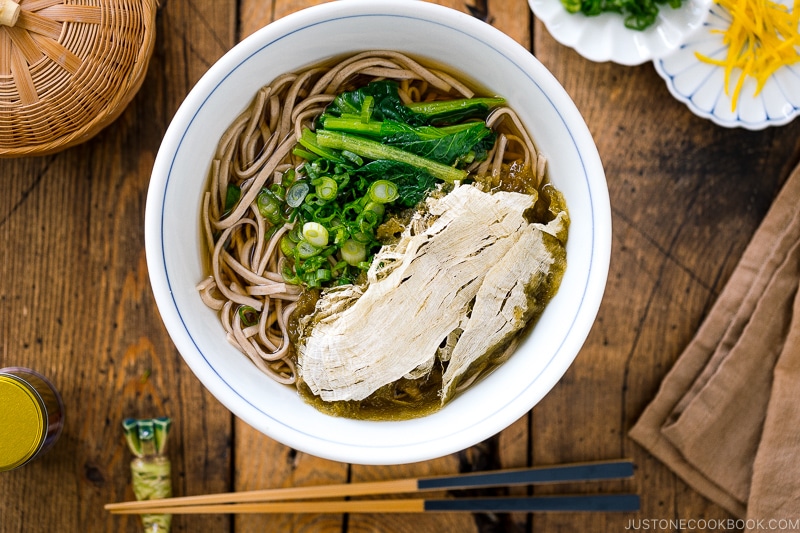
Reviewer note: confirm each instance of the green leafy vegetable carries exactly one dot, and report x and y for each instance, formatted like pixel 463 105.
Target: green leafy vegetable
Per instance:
pixel 638 14
pixel 370 155
pixel 375 150
pixel 232 195
pixel 412 183
pixel 454 111
pixel 383 101
pixel 450 145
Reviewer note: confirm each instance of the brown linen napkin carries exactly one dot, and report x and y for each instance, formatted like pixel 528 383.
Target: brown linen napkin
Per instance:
pixel 726 418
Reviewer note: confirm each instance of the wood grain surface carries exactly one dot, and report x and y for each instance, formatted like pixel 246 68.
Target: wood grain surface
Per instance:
pixel 686 197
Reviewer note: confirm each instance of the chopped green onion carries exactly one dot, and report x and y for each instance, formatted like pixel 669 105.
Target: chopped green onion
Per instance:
pixel 343 178
pixel 248 315
pixel 353 252
pixel 322 275
pixel 287 245
pixel 316 234
pixel 297 193
pixel 287 271
pixel 376 208
pixel 362 237
pixel 288 177
pixel 367 220
pixel 296 233
pixel 305 249
pixel 269 206
pixel 325 213
pixel 383 191
pixel 278 190
pixel 271 232
pixel 326 188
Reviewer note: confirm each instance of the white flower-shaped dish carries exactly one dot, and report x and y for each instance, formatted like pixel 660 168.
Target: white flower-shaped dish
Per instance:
pixel 605 38
pixel 701 86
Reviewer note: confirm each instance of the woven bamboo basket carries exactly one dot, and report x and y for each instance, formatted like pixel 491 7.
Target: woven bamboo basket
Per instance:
pixel 68 68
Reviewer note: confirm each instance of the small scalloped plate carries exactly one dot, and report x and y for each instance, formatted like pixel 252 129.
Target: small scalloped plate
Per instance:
pixel 701 86
pixel 605 38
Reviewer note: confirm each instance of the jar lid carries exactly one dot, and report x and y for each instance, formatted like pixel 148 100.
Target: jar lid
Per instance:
pixel 68 69
pixel 22 422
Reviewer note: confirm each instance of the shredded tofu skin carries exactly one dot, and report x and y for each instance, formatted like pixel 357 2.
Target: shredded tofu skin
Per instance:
pixel 762 37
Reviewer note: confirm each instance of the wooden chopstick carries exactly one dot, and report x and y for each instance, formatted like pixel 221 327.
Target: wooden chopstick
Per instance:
pixel 592 471
pixel 573 503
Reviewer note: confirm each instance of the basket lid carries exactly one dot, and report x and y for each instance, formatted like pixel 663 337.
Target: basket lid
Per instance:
pixel 68 68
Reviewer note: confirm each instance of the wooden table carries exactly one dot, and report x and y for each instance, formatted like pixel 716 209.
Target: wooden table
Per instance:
pixel 686 197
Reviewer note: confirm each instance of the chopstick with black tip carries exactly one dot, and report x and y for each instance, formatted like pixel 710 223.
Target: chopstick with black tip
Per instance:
pixel 577 472
pixel 574 503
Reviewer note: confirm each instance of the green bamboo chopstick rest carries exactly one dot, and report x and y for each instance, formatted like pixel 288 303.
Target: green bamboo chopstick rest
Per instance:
pixel 150 468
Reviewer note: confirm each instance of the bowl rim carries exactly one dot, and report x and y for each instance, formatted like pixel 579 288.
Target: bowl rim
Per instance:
pixel 388 454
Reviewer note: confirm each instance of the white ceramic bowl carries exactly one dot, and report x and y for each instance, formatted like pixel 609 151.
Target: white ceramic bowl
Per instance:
pixel 423 30
pixel 605 38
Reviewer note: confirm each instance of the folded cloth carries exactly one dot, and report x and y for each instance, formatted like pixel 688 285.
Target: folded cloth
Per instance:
pixel 726 418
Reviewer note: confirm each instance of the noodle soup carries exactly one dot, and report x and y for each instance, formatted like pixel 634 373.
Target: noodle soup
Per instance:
pixel 366 222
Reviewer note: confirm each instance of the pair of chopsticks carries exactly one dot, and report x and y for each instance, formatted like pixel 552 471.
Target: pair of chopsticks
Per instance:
pixel 273 500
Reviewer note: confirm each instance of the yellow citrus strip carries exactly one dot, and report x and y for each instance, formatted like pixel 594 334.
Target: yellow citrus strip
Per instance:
pixel 762 37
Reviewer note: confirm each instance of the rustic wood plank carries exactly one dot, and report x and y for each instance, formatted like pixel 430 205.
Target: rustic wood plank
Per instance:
pixel 427 523
pixel 512 18
pixel 264 463
pixel 79 307
pixel 684 205
pixel 514 451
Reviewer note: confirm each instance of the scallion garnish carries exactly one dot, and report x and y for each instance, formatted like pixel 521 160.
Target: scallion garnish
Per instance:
pixel 353 252
pixel 248 315
pixel 326 188
pixel 382 192
pixel 315 234
pixel 270 206
pixel 297 193
pixel 370 155
pixel 305 249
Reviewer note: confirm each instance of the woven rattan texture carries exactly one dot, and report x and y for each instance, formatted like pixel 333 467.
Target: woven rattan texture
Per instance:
pixel 68 68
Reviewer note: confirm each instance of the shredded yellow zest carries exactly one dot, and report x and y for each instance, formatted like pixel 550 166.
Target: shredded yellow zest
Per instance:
pixel 762 37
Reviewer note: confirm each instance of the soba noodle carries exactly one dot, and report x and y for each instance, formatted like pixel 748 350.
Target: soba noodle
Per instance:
pixel 245 283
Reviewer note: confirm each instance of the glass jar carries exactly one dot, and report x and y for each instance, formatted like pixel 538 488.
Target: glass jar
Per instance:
pixel 31 416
